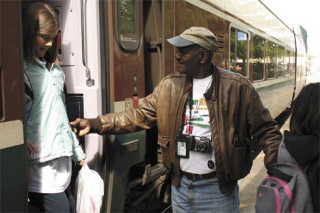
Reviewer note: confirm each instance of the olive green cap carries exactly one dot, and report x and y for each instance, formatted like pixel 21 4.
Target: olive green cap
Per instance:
pixel 196 35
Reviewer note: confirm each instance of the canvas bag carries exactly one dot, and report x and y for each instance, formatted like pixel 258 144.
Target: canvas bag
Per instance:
pixel 285 188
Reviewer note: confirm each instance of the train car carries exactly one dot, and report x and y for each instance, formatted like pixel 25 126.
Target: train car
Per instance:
pixel 13 159
pixel 113 54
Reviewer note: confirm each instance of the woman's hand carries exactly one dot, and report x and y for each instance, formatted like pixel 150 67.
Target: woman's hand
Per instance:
pixel 81 163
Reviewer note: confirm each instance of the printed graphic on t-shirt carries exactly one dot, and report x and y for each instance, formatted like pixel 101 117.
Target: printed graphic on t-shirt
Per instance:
pixel 196 121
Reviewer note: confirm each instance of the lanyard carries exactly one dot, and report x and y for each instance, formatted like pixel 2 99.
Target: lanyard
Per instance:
pixel 190 103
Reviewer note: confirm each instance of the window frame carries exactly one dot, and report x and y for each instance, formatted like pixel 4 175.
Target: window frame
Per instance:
pixel 237 29
pixel 129 41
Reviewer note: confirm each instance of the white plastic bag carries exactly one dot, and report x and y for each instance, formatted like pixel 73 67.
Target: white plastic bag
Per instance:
pixel 89 190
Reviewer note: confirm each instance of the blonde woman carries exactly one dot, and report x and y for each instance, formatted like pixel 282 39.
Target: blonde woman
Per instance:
pixel 52 144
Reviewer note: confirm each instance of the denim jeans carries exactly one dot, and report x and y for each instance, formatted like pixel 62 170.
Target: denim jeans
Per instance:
pixel 203 196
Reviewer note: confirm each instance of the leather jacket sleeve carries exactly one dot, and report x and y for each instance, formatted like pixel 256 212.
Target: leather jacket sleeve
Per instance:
pixel 264 130
pixel 135 119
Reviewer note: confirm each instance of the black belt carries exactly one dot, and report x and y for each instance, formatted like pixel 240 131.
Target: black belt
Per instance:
pixel 194 177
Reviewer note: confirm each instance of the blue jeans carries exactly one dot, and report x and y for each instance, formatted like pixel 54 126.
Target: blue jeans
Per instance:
pixel 203 196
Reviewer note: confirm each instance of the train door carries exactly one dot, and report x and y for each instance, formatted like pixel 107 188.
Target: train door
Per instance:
pixel 123 62
pixel 13 197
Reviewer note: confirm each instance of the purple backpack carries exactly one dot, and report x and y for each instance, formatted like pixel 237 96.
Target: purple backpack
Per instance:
pixel 285 188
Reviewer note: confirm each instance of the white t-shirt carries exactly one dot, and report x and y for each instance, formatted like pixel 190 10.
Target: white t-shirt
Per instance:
pixel 198 125
pixel 50 177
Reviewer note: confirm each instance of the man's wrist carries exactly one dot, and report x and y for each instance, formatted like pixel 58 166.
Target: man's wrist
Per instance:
pixel 95 126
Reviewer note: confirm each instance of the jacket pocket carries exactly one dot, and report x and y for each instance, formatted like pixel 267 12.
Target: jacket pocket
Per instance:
pixel 163 141
pixel 242 160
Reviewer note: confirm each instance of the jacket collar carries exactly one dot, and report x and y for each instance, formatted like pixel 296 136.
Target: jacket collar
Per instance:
pixel 213 89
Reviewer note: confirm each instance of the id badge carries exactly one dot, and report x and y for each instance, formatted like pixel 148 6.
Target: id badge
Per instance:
pixel 182 148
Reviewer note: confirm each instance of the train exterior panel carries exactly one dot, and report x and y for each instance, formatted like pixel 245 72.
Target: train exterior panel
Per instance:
pixel 114 53
pixel 13 170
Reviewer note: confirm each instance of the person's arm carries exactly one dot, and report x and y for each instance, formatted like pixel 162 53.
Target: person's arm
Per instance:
pixel 264 129
pixel 78 154
pixel 135 119
pixel 82 126
pixel 30 148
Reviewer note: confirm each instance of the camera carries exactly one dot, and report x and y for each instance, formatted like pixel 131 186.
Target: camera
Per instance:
pixel 200 144
pixel 184 143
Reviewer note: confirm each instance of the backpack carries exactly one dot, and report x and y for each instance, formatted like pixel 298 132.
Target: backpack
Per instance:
pixel 285 188
pixel 313 176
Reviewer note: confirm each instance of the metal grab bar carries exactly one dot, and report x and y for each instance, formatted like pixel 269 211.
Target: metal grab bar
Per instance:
pixel 89 81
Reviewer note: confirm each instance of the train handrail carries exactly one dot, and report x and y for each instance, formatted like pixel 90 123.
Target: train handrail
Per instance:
pixel 89 81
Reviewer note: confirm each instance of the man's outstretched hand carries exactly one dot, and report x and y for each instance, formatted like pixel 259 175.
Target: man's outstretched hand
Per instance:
pixel 81 127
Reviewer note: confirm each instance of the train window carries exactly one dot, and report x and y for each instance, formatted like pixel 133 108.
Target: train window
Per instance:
pixel 271 59
pixel 258 58
pixel 238 51
pixel 128 24
pixel 281 63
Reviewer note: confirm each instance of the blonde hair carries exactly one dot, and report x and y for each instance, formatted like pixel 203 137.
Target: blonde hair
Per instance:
pixel 39 17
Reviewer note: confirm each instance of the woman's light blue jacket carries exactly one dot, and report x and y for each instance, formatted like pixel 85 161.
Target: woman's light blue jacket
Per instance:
pixel 46 115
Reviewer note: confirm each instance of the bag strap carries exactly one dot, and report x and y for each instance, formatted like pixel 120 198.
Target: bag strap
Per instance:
pixel 284 155
pixel 279 174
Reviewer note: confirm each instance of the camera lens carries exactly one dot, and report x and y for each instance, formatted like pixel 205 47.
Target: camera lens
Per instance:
pixel 202 147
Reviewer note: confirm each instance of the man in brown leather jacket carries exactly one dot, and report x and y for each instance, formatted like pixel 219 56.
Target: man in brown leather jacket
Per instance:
pixel 209 143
